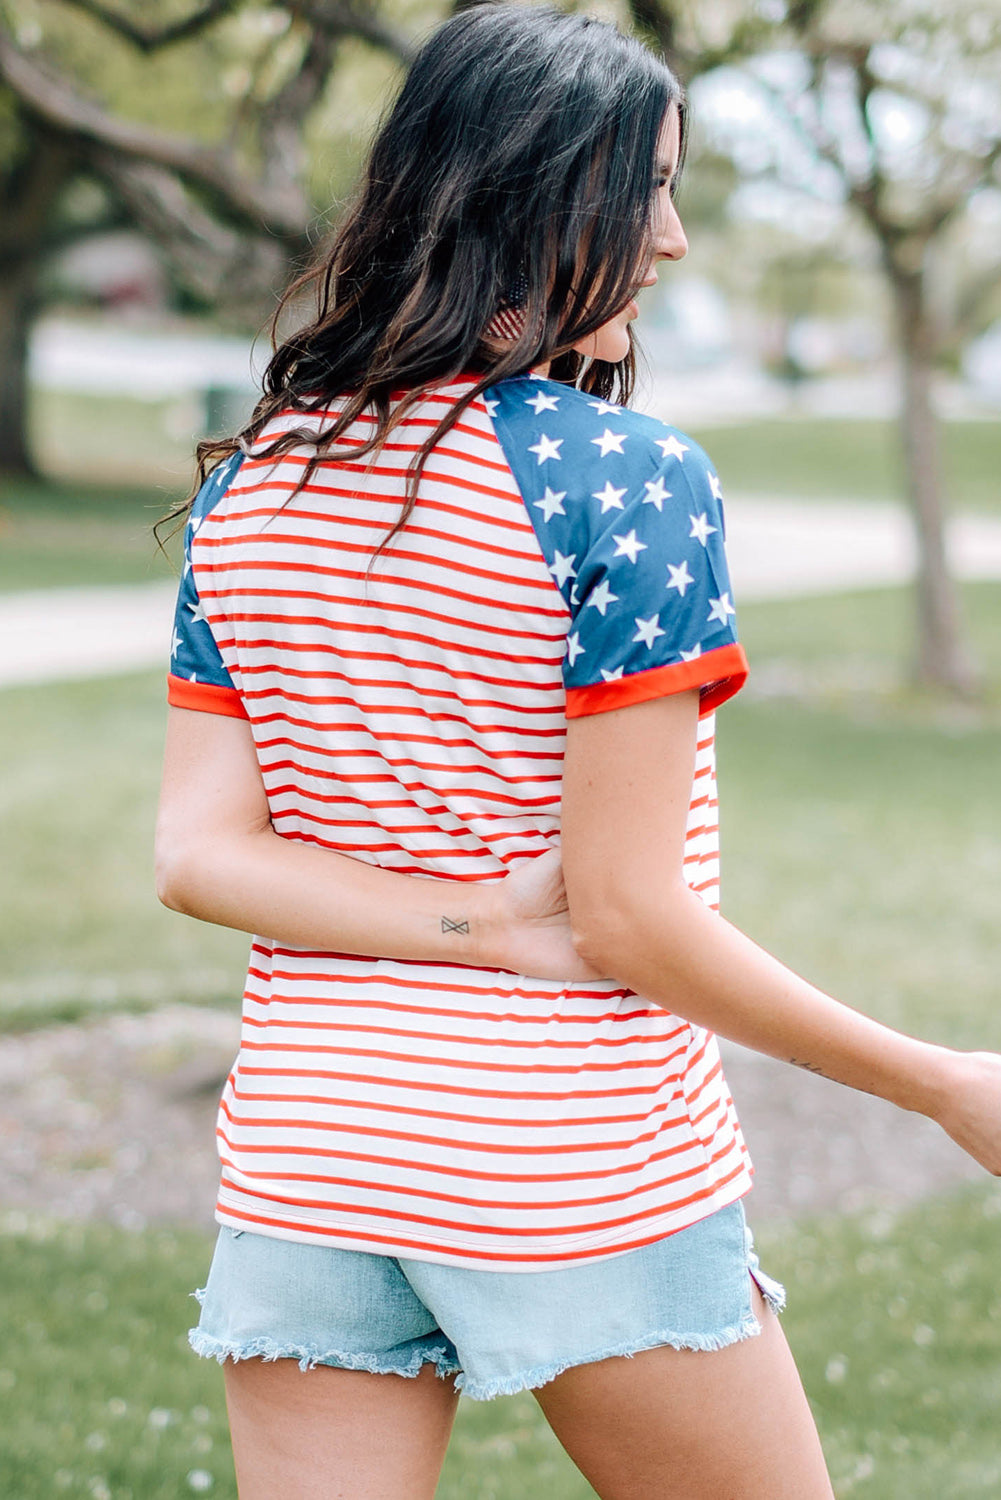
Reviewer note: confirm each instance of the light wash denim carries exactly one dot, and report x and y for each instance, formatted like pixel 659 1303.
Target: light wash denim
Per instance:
pixel 497 1331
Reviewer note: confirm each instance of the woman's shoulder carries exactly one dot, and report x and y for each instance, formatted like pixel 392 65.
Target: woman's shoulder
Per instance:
pixel 565 423
pixel 578 443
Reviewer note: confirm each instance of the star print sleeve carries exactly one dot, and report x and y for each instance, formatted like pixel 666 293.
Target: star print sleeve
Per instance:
pixel 198 677
pixel 651 603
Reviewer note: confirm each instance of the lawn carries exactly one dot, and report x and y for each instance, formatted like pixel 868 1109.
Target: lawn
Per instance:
pixel 843 459
pixel 55 533
pixel 895 1320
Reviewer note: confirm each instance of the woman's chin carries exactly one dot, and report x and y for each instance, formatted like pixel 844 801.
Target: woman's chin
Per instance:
pixel 609 344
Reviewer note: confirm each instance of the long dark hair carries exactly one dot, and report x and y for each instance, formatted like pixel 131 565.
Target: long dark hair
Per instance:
pixel 516 168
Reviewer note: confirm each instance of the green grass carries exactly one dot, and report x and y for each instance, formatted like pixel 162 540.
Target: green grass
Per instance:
pixel 895 1321
pixel 839 459
pixel 79 923
pixel 61 534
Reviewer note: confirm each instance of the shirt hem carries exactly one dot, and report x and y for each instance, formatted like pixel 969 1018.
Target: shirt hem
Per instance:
pixel 205 697
pixel 546 1258
pixel 719 674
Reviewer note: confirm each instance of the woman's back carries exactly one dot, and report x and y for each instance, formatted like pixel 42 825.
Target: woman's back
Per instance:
pixel 411 713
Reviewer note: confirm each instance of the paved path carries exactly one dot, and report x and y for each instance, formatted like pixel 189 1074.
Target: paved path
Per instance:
pixel 777 549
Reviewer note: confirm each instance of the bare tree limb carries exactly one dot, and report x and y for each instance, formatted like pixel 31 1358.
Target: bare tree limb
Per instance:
pixel 218 263
pixel 276 205
pixel 280 119
pixel 152 38
pixel 355 18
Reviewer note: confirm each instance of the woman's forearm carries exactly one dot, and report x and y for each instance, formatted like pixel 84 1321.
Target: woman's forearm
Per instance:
pixel 309 897
pixel 675 951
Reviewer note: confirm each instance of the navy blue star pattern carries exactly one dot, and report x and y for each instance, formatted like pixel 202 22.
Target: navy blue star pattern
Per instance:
pixel 629 517
pixel 194 654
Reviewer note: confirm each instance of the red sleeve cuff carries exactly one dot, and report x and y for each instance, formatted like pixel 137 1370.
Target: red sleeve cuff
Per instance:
pixel 205 697
pixel 719 674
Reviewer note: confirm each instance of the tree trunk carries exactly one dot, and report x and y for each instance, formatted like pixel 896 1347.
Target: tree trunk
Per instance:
pixel 27 200
pixel 17 312
pixel 943 660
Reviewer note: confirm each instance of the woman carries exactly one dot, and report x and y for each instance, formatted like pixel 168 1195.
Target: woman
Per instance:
pixel 448 605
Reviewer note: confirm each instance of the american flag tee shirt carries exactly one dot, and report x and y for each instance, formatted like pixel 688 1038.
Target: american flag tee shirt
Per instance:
pixel 565 557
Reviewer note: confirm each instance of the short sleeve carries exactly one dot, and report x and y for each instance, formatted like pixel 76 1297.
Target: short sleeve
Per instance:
pixel 198 677
pixel 650 599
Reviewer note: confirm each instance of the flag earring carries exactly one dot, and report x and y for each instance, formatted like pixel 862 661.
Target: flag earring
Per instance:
pixel 508 322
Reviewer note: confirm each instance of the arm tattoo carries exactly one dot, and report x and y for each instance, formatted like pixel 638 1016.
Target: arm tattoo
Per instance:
pixel 812 1068
pixel 447 925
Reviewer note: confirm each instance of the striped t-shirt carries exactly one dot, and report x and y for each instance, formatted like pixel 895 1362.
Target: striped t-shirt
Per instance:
pixel 565 557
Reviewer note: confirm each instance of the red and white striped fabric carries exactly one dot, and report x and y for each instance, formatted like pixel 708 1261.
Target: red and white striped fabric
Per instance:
pixel 412 714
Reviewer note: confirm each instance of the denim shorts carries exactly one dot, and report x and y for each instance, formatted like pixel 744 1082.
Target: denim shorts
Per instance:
pixel 497 1331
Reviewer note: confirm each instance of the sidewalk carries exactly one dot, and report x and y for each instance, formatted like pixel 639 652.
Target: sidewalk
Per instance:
pixel 778 549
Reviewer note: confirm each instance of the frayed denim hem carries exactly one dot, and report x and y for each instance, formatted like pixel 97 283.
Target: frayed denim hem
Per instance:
pixel 269 1349
pixel 773 1291
pixel 748 1328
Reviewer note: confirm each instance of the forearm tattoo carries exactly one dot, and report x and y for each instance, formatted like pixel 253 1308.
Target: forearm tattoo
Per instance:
pixel 462 927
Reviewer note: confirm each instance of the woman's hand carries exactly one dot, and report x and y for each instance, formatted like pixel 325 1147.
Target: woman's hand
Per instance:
pixel 970 1111
pixel 533 926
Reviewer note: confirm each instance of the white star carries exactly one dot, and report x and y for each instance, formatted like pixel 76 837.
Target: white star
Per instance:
pixel 176 643
pixel 670 447
pixel 680 577
pixel 628 546
pixel 574 647
pixel 611 498
pixel 547 447
pixel 540 402
pixel 611 676
pixel 194 522
pixel 610 442
pixel 197 613
pixel 563 568
pixel 187 566
pixel 715 486
pixel 491 403
pixel 721 607
pixel 691 655
pixel 701 529
pixel 551 503
pixel 603 407
pixel 574 596
pixel 647 631
pixel 601 597
pixel 656 494
pixel 193 677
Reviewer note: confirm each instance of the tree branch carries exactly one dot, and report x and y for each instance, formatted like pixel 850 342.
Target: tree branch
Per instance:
pixel 277 206
pixel 355 18
pixel 152 38
pixel 216 262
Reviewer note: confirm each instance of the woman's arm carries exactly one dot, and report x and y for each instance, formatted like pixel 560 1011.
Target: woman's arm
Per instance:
pixel 219 859
pixel 626 786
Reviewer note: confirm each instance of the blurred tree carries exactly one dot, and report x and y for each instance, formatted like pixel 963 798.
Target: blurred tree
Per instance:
pixel 205 148
pixel 895 107
pixel 903 103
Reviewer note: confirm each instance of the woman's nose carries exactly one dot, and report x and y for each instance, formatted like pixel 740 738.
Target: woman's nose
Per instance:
pixel 670 241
